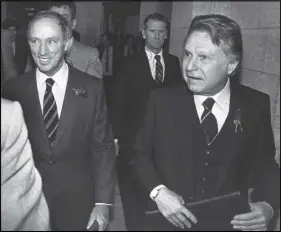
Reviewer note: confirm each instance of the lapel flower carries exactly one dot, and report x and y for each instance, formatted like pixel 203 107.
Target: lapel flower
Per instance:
pixel 237 121
pixel 81 92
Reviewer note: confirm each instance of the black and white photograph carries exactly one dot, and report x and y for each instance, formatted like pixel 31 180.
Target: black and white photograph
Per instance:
pixel 140 116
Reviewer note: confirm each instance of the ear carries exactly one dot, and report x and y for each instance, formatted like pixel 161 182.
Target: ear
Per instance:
pixel 232 65
pixel 68 44
pixel 143 33
pixel 74 23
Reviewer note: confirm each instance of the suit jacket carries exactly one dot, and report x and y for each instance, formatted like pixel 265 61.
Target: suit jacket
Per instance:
pixel 80 168
pixel 167 144
pixel 23 205
pixel 132 87
pixel 86 59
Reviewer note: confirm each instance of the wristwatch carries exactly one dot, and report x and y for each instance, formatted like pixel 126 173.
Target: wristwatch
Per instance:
pixel 155 191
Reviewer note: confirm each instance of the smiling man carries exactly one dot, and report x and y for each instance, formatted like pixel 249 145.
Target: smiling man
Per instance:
pixel 67 123
pixel 209 138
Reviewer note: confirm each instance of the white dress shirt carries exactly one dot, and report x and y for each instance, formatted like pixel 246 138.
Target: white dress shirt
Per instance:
pixel 152 61
pixel 221 106
pixel 59 87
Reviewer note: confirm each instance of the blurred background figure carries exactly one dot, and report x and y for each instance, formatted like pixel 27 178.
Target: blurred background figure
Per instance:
pixel 14 49
pixel 23 205
pixel 129 47
pixel 107 53
pixel 80 56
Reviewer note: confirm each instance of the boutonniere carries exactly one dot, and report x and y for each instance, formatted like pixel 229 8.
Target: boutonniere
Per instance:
pixel 237 121
pixel 81 92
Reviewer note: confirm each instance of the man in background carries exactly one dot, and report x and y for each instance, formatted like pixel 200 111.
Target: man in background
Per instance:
pixel 83 57
pixel 70 135
pixel 148 69
pixel 23 205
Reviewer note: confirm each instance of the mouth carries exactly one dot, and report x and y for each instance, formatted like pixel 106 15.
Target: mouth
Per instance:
pixel 193 77
pixel 44 60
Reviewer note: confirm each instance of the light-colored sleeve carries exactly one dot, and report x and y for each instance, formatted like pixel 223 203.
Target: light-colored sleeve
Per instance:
pixel 94 66
pixel 23 205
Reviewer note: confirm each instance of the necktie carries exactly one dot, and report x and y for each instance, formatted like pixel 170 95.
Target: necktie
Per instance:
pixel 208 120
pixel 158 70
pixel 50 113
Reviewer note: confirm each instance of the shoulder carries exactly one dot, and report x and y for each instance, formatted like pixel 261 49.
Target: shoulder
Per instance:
pixel 86 50
pixel 11 119
pixel 170 95
pixel 170 56
pixel 253 97
pixel 89 81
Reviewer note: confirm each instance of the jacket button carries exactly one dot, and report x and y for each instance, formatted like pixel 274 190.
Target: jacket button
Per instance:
pixel 208 152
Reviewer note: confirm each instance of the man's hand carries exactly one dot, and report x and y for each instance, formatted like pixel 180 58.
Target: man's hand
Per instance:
pixel 171 205
pixel 100 213
pixel 256 220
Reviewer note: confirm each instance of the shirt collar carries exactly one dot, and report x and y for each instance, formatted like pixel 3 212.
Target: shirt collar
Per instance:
pixel 222 98
pixel 60 77
pixel 149 52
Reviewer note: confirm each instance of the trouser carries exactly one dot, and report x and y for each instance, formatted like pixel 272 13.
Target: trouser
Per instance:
pixel 130 197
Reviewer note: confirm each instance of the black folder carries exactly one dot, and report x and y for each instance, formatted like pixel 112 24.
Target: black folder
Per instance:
pixel 216 213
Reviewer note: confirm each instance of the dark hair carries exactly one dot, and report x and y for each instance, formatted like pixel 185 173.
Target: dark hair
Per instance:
pixel 109 36
pixel 224 32
pixel 10 22
pixel 157 17
pixel 62 22
pixel 71 5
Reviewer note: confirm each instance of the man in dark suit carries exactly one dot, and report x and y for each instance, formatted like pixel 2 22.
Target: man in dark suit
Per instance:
pixel 208 138
pixel 148 69
pixel 71 139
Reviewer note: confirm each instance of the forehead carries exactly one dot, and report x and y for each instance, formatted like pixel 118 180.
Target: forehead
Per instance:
pixel 200 40
pixel 155 24
pixel 45 27
pixel 62 10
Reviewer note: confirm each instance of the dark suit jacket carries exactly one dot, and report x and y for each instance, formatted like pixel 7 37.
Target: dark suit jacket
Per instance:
pixel 132 87
pixel 79 170
pixel 167 143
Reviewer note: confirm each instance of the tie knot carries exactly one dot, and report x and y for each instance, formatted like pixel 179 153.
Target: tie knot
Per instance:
pixel 157 57
pixel 209 103
pixel 50 82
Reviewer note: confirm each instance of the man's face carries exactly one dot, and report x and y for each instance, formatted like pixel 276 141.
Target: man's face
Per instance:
pixel 47 45
pixel 205 66
pixel 65 11
pixel 155 35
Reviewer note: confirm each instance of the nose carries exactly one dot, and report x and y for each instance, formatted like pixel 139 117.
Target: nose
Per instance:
pixel 43 49
pixel 157 34
pixel 191 64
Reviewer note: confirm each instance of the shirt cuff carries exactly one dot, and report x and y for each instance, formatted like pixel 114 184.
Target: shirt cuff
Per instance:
pixel 155 190
pixel 103 204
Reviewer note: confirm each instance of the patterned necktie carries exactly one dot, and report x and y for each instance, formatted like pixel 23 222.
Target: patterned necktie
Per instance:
pixel 158 70
pixel 208 120
pixel 50 113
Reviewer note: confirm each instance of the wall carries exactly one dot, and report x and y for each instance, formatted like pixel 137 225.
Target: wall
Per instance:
pixel 89 21
pixel 260 25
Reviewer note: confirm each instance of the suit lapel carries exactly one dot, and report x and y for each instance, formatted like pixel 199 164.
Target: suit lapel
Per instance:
pixel 35 112
pixel 68 107
pixel 146 72
pixel 228 137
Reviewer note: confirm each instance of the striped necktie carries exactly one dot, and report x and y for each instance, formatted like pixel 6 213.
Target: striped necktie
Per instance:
pixel 158 70
pixel 50 112
pixel 208 120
